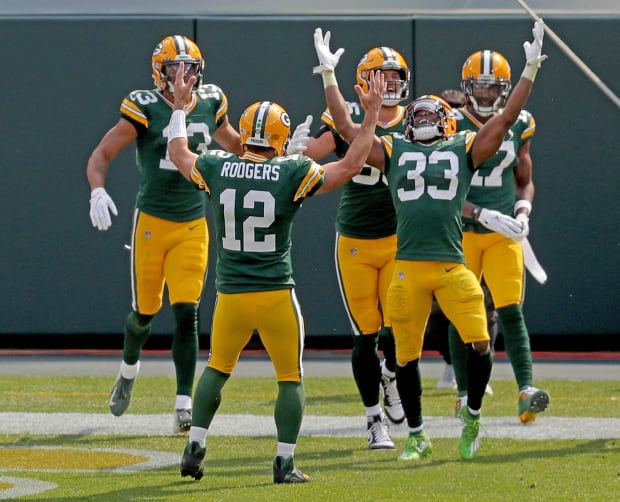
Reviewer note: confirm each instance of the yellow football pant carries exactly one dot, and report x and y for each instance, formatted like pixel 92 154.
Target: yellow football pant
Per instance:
pixel 277 318
pixel 410 298
pixel 500 260
pixel 364 268
pixel 170 253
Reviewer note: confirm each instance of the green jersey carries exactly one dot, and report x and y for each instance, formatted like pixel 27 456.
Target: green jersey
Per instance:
pixel 428 184
pixel 365 210
pixel 254 202
pixel 493 186
pixel 164 192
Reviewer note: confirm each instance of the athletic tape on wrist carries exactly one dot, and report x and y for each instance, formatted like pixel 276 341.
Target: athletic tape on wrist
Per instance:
pixel 329 78
pixel 177 127
pixel 530 71
pixel 523 203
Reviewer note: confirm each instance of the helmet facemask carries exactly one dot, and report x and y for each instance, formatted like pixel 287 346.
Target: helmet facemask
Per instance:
pixel 493 94
pixel 485 80
pixel 192 68
pixel 385 58
pixel 171 51
pixel 420 126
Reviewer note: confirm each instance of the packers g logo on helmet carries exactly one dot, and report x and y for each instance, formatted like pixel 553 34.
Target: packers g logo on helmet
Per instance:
pixel 172 50
pixel 487 71
pixel 442 127
pixel 385 58
pixel 265 124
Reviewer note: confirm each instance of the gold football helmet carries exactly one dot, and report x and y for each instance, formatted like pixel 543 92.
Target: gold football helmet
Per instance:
pixel 170 51
pixel 265 124
pixel 441 125
pixel 485 80
pixel 385 58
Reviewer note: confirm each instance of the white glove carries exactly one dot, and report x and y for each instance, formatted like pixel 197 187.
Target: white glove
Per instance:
pixel 100 206
pixel 500 223
pixel 301 135
pixel 533 51
pixel 525 224
pixel 327 60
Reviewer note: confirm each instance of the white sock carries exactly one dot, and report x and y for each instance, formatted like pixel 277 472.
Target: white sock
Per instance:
pixel 285 449
pixel 416 430
pixel 198 435
pixel 373 411
pixel 183 402
pixel 473 413
pixel 130 371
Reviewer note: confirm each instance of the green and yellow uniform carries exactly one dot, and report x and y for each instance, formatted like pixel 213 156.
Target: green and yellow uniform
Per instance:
pixel 170 237
pixel 429 184
pixel 254 202
pixel 365 233
pixel 496 257
pixel 487 253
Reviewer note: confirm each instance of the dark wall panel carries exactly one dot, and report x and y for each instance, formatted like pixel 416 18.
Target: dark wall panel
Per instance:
pixel 69 75
pixel 575 159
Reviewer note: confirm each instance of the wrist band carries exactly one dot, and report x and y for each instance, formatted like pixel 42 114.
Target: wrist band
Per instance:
pixel 530 71
pixel 523 203
pixel 329 78
pixel 176 128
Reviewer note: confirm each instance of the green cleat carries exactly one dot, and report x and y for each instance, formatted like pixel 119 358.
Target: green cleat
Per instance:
pixel 191 463
pixel 121 395
pixel 284 471
pixel 418 446
pixel 531 402
pixel 470 439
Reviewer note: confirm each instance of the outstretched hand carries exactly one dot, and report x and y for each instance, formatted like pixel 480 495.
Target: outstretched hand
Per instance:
pixel 301 136
pixel 182 90
pixel 328 60
pixel 377 87
pixel 533 50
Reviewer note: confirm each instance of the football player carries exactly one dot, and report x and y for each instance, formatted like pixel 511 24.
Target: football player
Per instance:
pixel 169 239
pixel 255 198
pixel 366 247
pixel 503 183
pixel 429 171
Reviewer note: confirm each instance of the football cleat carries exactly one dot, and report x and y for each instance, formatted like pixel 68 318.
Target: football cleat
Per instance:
pixel 284 471
pixel 379 433
pixel 121 395
pixel 418 446
pixel 182 421
pixel 191 463
pixel 531 402
pixel 470 436
pixel 391 399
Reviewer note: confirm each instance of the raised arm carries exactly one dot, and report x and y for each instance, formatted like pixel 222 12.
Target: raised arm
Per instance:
pixel 490 136
pixel 180 154
pixel 337 173
pixel 334 99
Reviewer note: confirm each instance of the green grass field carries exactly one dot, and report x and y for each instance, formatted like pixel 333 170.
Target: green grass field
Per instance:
pixel 239 467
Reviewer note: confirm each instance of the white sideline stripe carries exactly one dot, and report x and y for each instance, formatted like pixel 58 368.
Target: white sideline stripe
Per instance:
pixel 85 424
